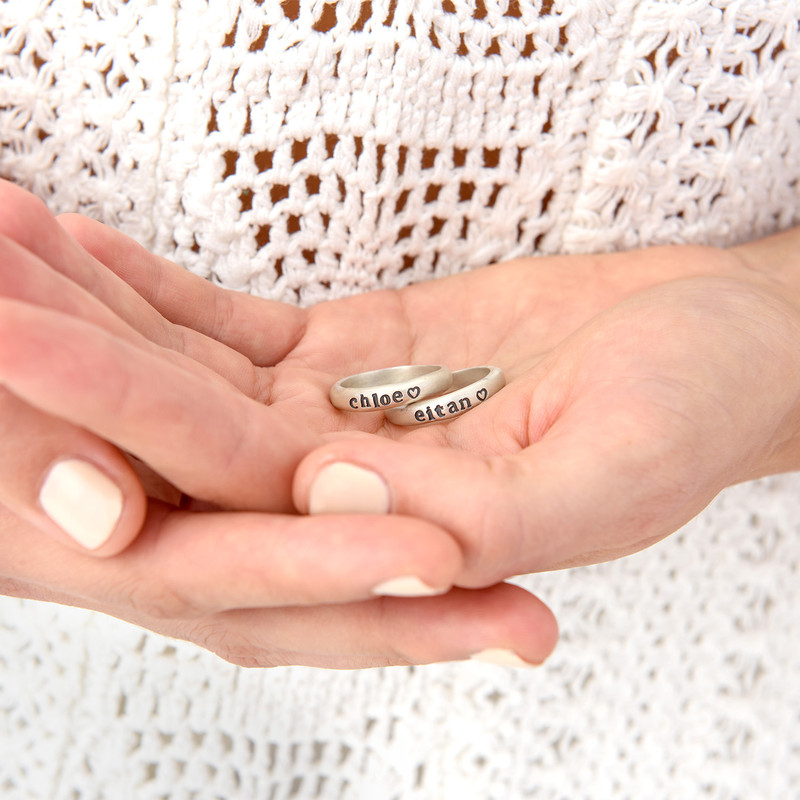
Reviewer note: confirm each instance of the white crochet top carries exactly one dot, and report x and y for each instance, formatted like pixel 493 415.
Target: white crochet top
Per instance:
pixel 304 150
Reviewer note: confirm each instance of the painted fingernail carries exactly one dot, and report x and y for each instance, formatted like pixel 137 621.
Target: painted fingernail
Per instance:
pixel 343 488
pixel 500 656
pixel 406 586
pixel 82 501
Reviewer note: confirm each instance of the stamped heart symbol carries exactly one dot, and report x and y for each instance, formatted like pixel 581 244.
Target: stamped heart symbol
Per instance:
pixel 481 394
pixel 413 392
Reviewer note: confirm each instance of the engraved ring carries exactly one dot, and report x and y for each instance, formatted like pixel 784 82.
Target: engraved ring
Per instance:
pixel 469 389
pixel 389 388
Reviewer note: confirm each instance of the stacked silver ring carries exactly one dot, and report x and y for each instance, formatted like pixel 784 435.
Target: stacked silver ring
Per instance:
pixel 389 388
pixel 416 395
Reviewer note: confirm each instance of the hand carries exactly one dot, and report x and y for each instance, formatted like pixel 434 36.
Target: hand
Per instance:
pixel 672 386
pixel 628 375
pixel 86 361
pixel 612 430
pixel 93 373
pixel 420 629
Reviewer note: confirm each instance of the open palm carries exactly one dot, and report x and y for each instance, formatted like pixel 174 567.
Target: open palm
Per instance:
pixel 629 402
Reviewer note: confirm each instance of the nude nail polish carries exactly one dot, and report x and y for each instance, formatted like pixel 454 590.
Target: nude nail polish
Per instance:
pixel 406 586
pixel 343 488
pixel 83 501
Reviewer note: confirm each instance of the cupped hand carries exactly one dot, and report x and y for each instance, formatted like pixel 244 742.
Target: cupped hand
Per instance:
pixel 639 386
pixel 152 429
pixel 546 473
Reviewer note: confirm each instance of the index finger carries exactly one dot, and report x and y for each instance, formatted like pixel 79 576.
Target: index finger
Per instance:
pixel 263 330
pixel 208 439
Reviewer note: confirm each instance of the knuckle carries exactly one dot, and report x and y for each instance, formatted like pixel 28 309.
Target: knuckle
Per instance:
pixel 389 650
pixel 220 635
pixel 157 601
pixel 223 315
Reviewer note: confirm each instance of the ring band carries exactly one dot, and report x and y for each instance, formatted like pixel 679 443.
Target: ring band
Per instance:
pixel 470 388
pixel 388 388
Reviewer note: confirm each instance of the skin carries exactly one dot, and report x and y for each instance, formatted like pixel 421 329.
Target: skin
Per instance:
pixel 639 386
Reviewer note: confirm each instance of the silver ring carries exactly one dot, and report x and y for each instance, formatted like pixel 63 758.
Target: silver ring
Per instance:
pixel 389 388
pixel 469 389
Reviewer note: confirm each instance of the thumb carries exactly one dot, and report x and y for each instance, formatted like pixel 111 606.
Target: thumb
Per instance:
pixel 584 493
pixel 474 499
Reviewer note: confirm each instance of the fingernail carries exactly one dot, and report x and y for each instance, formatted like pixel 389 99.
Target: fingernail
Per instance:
pixel 347 489
pixel 406 586
pixel 82 501
pixel 500 656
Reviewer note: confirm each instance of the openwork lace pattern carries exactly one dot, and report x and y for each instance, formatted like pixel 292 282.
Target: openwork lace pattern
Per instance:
pixel 305 150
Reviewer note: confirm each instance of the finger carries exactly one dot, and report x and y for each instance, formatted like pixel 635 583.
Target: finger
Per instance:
pixel 262 330
pixel 209 440
pixel 28 222
pixel 165 580
pixel 186 565
pixel 193 564
pixel 45 252
pixel 468 496
pixel 502 624
pixel 67 482
pixel 24 276
pixel 456 475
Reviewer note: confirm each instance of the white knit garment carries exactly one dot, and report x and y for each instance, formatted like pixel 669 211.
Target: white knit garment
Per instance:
pixel 303 151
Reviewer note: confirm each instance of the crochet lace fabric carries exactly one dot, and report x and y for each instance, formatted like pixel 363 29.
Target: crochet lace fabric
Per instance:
pixel 306 150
